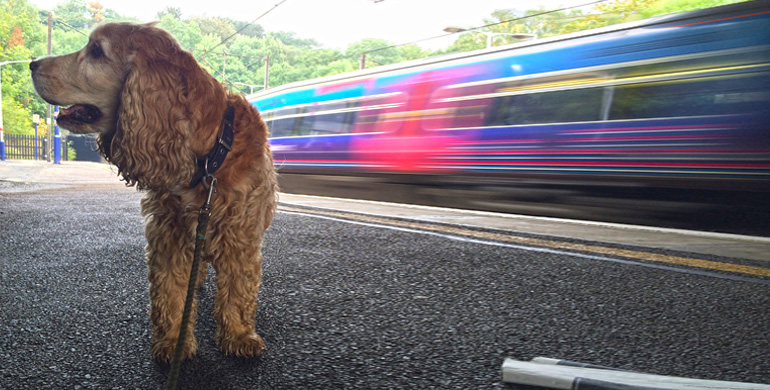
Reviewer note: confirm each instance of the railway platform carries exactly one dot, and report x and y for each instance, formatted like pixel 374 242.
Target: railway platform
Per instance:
pixel 707 244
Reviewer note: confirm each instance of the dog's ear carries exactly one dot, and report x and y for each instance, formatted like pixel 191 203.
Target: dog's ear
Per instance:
pixel 166 98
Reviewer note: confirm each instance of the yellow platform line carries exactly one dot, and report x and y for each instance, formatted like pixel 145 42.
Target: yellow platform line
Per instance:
pixel 539 242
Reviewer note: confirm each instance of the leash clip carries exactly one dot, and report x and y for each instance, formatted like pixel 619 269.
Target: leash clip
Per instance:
pixel 211 185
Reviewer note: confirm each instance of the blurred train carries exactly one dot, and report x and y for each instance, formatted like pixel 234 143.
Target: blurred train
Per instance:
pixel 663 121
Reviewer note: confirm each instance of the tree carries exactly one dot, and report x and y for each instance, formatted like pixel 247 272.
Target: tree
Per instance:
pixel 539 22
pixel 187 34
pixel 75 13
pixel 337 67
pixel 621 11
pixel 218 27
pixel 246 59
pixel 378 52
pixel 323 62
pixel 66 41
pixel 673 6
pixel 248 29
pixel 21 37
pixel 175 13
pixel 543 23
pixel 97 11
pixel 412 52
pixel 467 42
pixel 290 39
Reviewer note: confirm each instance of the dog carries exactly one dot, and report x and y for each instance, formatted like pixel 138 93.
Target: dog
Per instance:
pixel 157 113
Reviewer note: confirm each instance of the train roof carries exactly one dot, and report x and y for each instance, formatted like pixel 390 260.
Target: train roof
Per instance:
pixel 617 30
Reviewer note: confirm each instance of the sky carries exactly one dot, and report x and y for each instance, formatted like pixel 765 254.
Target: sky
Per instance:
pixel 338 23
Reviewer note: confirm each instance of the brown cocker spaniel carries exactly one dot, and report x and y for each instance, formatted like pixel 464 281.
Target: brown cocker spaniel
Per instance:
pixel 156 111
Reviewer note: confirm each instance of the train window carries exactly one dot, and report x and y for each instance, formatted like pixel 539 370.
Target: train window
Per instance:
pixel 525 101
pixel 721 95
pixel 304 122
pixel 563 106
pixel 284 122
pixel 336 118
pixel 267 117
pixel 326 118
pixel 456 107
pixel 469 115
pixel 381 113
pixel 722 83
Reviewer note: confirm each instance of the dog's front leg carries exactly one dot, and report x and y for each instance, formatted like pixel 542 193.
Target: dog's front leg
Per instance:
pixel 169 257
pixel 238 277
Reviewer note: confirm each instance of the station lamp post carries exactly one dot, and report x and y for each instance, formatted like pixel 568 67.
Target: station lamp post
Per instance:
pixel 36 121
pixel 2 140
pixel 489 35
pixel 56 137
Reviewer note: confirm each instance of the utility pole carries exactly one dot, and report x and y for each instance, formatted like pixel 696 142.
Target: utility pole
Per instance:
pixel 224 60
pixel 267 70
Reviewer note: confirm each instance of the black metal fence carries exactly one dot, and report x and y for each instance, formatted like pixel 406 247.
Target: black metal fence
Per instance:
pixel 26 147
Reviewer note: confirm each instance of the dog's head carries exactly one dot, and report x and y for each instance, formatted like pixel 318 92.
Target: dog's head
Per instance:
pixel 87 84
pixel 145 97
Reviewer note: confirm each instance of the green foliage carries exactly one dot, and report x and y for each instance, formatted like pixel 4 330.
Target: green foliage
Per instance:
pixel 20 39
pixel 542 23
pixel 468 42
pixel 674 6
pixel 66 41
pixel 175 13
pixel 290 39
pixel 16 118
pixel 188 35
pixel 248 30
pixel 75 13
pixel 71 152
pixel 218 27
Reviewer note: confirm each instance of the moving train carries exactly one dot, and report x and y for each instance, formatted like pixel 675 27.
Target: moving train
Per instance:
pixel 660 121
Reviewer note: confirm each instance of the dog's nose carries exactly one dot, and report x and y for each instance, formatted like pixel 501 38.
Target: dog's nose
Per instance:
pixel 34 65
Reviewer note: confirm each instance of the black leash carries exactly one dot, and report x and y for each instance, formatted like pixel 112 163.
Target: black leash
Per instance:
pixel 207 165
pixel 200 237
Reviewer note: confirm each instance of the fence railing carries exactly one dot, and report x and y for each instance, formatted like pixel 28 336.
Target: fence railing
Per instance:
pixel 26 147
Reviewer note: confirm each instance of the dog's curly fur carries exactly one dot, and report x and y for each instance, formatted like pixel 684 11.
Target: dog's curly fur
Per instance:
pixel 155 109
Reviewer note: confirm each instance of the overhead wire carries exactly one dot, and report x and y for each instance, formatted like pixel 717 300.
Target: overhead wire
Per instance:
pixel 247 25
pixel 484 26
pixel 58 20
pixel 224 79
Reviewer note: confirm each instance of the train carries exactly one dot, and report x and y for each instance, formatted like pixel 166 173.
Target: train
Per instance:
pixel 663 121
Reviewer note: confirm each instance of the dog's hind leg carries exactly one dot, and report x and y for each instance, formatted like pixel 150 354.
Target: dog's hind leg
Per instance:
pixel 169 256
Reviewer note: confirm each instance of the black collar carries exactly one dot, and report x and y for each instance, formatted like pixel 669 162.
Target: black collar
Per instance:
pixel 209 163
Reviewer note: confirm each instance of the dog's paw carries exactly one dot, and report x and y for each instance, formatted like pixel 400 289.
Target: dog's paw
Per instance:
pixel 163 350
pixel 246 345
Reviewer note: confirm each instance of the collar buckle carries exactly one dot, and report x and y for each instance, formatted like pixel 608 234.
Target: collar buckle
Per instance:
pixel 212 161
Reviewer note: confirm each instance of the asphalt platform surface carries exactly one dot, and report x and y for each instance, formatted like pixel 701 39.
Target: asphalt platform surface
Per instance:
pixel 348 305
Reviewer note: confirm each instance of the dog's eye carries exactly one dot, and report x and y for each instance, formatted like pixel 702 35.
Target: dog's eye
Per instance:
pixel 95 51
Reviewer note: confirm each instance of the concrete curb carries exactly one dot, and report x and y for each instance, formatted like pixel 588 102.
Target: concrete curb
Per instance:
pixel 563 374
